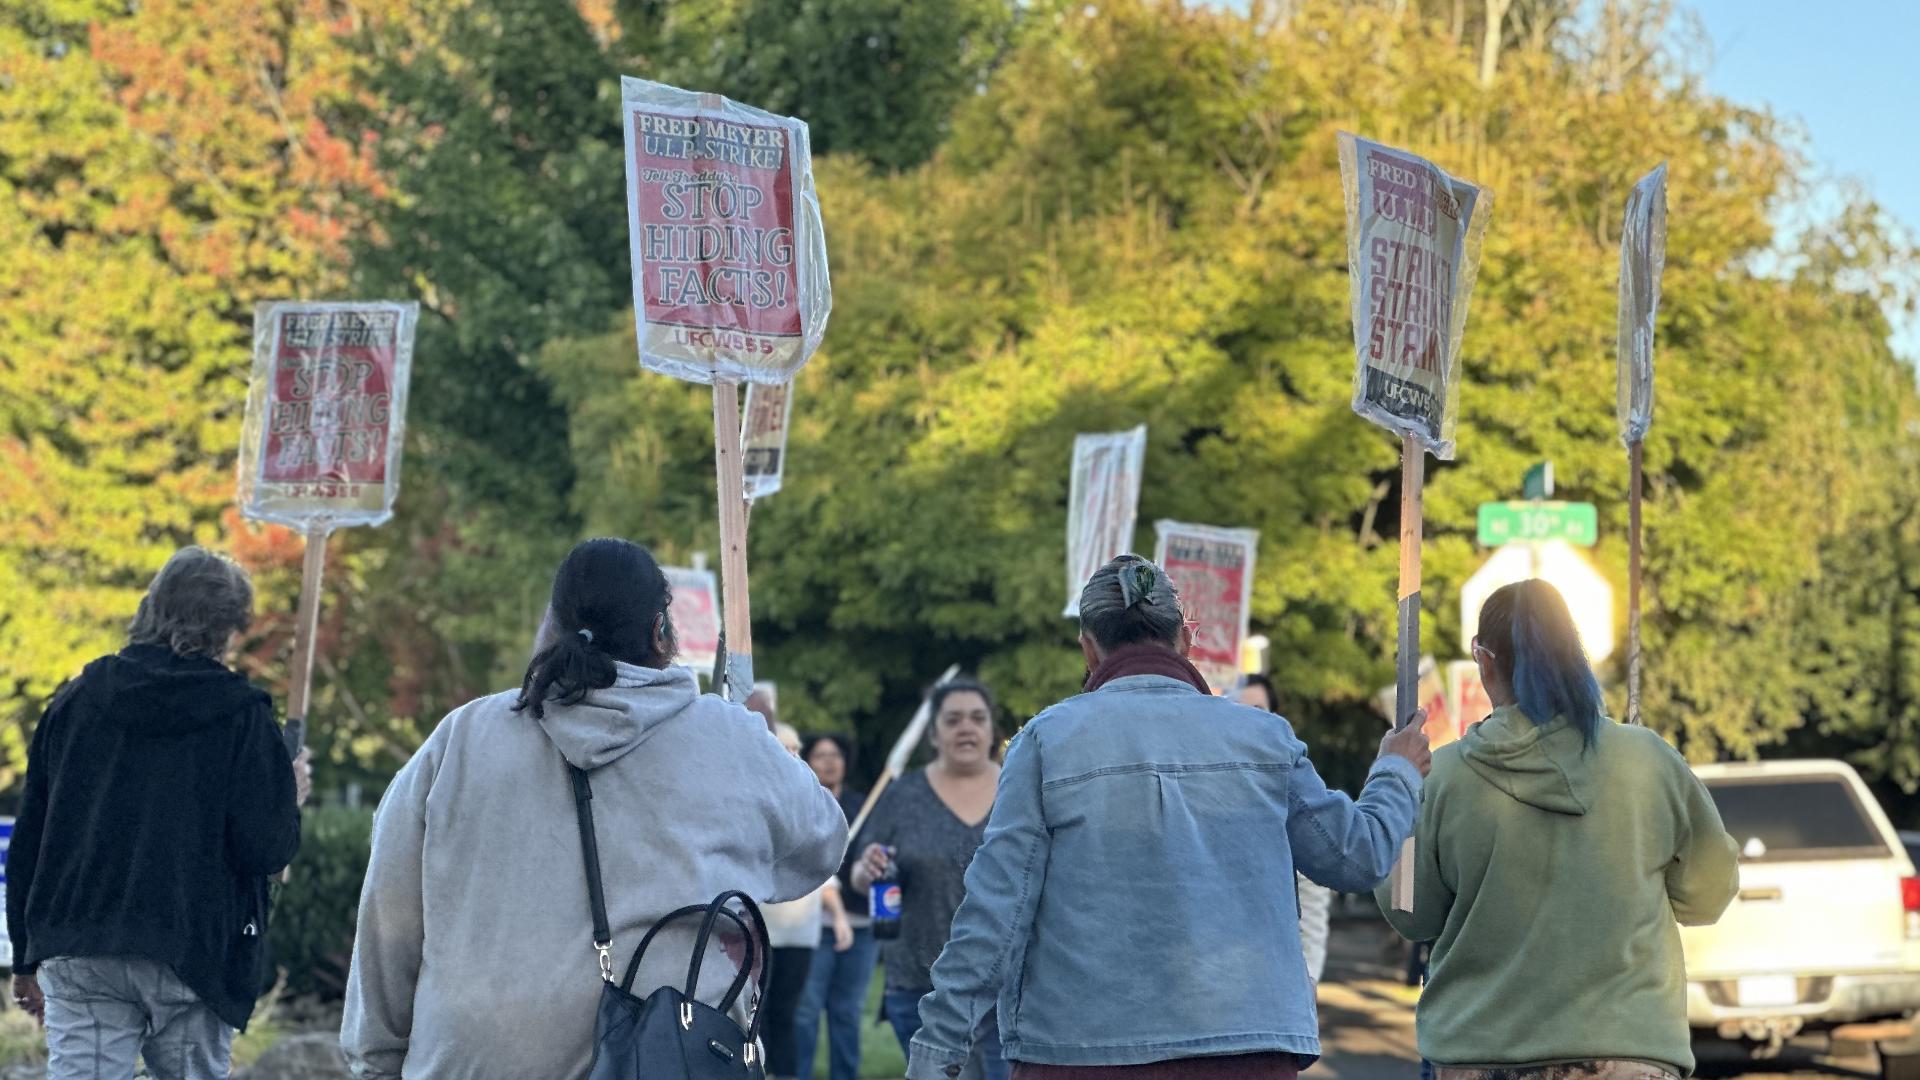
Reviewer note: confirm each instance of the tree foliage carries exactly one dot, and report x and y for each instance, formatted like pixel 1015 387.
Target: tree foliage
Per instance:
pixel 1043 219
pixel 162 166
pixel 1140 221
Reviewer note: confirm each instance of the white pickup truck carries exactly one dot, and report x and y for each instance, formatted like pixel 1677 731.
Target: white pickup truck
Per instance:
pixel 1824 938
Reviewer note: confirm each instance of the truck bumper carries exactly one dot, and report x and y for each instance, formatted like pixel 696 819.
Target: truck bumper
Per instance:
pixel 1877 1004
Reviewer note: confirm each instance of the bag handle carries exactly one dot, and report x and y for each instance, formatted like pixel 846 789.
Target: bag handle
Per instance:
pixel 633 967
pixel 754 945
pixel 590 851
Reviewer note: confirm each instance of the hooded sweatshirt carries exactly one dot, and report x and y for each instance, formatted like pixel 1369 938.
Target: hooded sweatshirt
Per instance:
pixel 159 799
pixel 474 956
pixel 1551 877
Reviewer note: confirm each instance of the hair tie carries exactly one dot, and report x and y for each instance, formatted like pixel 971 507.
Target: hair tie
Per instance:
pixel 1136 584
pixel 588 634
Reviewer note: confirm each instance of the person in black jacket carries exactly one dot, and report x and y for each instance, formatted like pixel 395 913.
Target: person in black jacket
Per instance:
pixel 159 800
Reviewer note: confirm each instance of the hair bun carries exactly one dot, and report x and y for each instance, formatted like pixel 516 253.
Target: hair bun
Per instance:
pixel 1136 584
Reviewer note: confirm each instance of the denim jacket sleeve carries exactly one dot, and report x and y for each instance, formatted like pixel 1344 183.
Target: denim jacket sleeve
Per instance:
pixel 990 929
pixel 1349 844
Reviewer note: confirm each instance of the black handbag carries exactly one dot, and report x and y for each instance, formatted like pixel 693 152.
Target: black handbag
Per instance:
pixel 670 1035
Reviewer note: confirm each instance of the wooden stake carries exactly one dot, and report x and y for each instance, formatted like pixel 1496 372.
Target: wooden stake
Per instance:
pixel 306 626
pixel 736 614
pixel 1634 468
pixel 1413 461
pixel 866 808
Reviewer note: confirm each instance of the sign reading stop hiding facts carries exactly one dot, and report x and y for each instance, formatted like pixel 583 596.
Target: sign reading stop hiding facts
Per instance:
pixel 730 264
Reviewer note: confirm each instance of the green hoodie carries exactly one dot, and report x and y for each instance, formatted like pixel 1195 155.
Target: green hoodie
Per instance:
pixel 1549 876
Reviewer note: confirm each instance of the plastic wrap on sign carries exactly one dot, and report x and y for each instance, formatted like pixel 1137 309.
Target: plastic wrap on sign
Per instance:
pixel 1413 251
pixel 1103 502
pixel 326 413
pixel 1212 570
pixel 1643 257
pixel 763 439
pixel 729 260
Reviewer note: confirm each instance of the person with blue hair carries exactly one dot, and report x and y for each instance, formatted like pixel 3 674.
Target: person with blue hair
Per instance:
pixel 1556 855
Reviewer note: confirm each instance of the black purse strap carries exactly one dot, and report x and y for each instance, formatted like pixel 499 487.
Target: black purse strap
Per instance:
pixel 755 935
pixel 755 943
pixel 590 851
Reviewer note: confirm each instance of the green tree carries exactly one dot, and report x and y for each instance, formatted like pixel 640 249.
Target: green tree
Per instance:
pixel 877 79
pixel 162 166
pixel 1141 220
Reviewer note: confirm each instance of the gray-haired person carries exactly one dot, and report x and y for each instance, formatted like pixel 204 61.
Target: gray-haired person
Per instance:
pixel 1131 911
pixel 159 800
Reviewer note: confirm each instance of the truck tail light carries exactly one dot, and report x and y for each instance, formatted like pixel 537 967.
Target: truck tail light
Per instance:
pixel 1910 901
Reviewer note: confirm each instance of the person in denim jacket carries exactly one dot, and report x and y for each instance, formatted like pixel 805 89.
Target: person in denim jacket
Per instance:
pixel 1131 910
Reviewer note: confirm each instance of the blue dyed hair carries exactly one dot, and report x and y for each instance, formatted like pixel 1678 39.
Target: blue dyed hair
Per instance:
pixel 1543 657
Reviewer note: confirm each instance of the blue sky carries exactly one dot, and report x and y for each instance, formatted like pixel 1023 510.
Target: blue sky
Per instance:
pixel 1845 69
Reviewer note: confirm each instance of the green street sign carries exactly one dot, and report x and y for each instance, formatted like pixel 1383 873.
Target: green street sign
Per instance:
pixel 1538 522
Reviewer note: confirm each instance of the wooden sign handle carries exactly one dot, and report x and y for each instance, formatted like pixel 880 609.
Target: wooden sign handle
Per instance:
pixel 306 626
pixel 306 629
pixel 1413 471
pixel 736 614
pixel 1634 468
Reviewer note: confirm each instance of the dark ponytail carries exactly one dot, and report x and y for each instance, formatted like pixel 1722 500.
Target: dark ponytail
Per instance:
pixel 608 596
pixel 1543 658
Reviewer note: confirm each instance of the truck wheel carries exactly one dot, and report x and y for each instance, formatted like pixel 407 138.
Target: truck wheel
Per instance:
pixel 1899 1066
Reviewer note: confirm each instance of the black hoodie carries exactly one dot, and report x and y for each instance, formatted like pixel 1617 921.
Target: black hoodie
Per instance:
pixel 159 800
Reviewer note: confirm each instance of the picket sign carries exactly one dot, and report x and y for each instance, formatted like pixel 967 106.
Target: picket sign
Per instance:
pixel 1643 256
pixel 1413 251
pixel 730 281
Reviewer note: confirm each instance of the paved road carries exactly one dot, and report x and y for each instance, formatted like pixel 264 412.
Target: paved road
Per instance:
pixel 1366 1023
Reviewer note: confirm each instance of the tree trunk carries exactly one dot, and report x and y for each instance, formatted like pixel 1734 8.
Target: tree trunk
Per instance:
pixel 1490 43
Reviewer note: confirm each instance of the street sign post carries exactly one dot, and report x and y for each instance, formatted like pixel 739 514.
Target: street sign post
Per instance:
pixel 1539 523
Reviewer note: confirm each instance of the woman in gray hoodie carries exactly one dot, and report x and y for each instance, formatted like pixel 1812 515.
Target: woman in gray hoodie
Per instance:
pixel 474 956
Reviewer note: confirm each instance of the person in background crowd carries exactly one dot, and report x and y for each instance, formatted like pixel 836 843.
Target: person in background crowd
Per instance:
pixel 1131 910
pixel 793 929
pixel 925 830
pixel 1548 814
pixel 837 985
pixel 472 958
pixel 760 703
pixel 1316 901
pixel 159 799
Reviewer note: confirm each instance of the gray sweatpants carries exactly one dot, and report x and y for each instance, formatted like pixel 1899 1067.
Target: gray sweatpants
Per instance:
pixel 103 1011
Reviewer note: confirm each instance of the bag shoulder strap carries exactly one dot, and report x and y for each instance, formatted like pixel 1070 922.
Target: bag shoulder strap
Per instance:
pixel 590 852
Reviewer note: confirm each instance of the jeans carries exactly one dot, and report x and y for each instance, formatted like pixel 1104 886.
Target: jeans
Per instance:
pixel 104 1011
pixel 987 1062
pixel 836 986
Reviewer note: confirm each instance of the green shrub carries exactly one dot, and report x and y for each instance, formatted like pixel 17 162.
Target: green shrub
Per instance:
pixel 314 913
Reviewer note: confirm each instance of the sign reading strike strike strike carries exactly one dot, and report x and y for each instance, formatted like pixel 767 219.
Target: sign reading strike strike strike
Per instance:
pixel 326 413
pixel 1413 251
pixel 1212 570
pixel 729 261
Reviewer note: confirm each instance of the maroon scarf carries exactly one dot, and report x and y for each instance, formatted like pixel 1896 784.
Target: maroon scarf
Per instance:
pixel 1145 659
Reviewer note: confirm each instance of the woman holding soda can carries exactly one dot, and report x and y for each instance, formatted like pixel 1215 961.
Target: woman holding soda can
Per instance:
pixel 917 846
